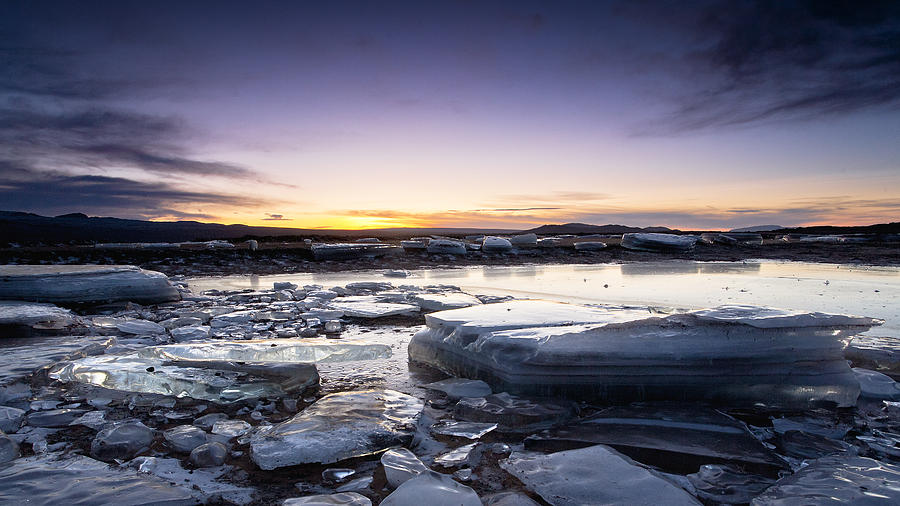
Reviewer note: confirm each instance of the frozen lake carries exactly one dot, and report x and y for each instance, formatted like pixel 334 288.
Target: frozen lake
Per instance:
pixel 861 290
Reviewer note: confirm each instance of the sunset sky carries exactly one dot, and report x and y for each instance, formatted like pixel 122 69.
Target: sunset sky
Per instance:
pixel 715 114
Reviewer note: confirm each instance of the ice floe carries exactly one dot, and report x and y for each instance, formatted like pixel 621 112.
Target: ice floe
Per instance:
pixel 336 427
pixel 658 242
pixel 85 284
pixel 686 437
pixel 595 475
pixel 20 317
pixel 81 480
pixel 837 480
pixel 734 354
pixel 443 301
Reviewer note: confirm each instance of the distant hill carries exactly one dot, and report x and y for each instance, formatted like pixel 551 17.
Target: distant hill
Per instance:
pixel 584 228
pixel 758 228
pixel 881 228
pixel 31 228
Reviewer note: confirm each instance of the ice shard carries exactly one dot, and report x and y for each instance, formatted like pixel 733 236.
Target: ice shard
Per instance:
pixel 673 438
pixel 837 480
pixel 740 355
pixel 595 475
pixel 85 284
pixel 337 427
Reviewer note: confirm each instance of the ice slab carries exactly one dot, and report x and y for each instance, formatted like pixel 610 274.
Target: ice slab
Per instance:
pixel 725 485
pixel 658 242
pixel 81 480
pixel 880 354
pixel 401 465
pixel 456 457
pixel 514 414
pixel 837 480
pixel 874 385
pixel 524 240
pixel 457 388
pixel 340 499
pixel 25 317
pixel 491 244
pixel 336 427
pixel 213 380
pixel 684 437
pixel 741 355
pixel 443 301
pixel 85 284
pixel 349 251
pixel 468 430
pixel 139 327
pixel 446 247
pixel 590 246
pixel 371 308
pixel 595 475
pixel 436 489
pixel 311 350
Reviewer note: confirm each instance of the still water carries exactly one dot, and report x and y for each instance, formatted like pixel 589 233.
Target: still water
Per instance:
pixel 861 290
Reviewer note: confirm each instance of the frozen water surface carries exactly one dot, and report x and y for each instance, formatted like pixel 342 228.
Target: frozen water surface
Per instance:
pixel 860 290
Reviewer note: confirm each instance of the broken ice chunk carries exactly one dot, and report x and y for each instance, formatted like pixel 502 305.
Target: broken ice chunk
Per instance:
pixel 836 480
pixel 491 244
pixel 446 247
pixel 121 441
pixel 139 327
pixel 231 428
pixel 183 334
pixel 336 427
pixel 11 418
pixel 443 301
pixel 725 485
pixel 880 354
pixel 676 439
pixel 736 354
pixel 457 388
pixel 874 385
pixel 400 465
pixel 24 318
pixel 456 457
pixel 370 308
pixel 349 251
pixel 184 438
pixel 468 430
pixel 658 242
pixel 9 449
pixel 601 476
pixel 280 350
pixel 435 488
pixel 85 284
pixel 514 414
pixel 82 480
pixel 340 499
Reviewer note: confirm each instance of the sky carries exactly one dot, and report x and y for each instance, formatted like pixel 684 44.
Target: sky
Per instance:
pixel 370 114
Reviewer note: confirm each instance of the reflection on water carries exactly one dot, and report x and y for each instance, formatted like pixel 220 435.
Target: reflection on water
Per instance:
pixel 869 291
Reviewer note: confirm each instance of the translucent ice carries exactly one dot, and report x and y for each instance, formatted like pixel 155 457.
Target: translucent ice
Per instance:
pixel 722 484
pixel 658 242
pixel 468 430
pixel 20 316
pixel 595 475
pixel 734 354
pixel 837 480
pixel 492 244
pixel 874 385
pixel 85 284
pixel 443 301
pixel 273 350
pixel 514 414
pixel 400 465
pixel 434 488
pixel 341 499
pixel 336 427
pixel 457 388
pixel 370 307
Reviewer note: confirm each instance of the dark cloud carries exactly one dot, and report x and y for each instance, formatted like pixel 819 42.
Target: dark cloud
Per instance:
pixel 56 193
pixel 275 217
pixel 764 61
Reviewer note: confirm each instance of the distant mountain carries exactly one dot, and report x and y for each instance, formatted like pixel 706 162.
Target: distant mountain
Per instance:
pixel 584 228
pixel 758 228
pixel 881 228
pixel 28 228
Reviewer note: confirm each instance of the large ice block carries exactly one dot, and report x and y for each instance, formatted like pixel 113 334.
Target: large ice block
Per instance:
pixel 741 355
pixel 837 480
pixel 337 427
pixel 658 242
pixel 85 284
pixel 348 251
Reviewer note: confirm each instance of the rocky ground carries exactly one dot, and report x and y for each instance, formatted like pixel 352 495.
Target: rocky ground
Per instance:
pixel 276 258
